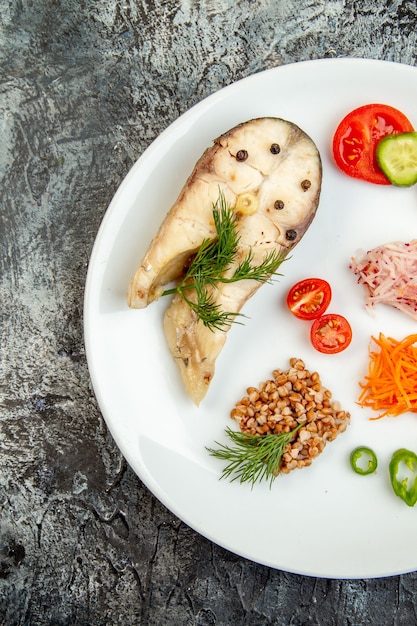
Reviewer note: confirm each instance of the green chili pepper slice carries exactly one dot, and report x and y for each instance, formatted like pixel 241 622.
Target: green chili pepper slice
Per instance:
pixel 405 488
pixel 363 460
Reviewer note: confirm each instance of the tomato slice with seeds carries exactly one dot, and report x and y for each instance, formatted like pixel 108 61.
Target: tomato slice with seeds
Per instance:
pixel 331 333
pixel 309 298
pixel 357 136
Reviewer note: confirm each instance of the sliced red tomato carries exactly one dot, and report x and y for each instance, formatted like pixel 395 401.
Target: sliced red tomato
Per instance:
pixel 309 298
pixel 356 138
pixel 330 333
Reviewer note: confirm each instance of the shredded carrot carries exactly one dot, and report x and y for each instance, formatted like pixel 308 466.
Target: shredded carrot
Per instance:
pixel 390 386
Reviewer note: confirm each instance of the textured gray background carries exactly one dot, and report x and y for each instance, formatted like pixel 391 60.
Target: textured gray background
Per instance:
pixel 85 87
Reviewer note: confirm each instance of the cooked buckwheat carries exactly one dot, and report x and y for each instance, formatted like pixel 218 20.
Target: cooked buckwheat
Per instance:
pixel 290 398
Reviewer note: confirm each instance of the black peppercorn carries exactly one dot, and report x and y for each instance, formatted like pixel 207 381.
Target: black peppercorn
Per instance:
pixel 278 204
pixel 241 155
pixel 275 149
pixel 306 184
pixel 291 235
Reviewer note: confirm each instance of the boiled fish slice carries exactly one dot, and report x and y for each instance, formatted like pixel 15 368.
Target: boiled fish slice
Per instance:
pixel 270 172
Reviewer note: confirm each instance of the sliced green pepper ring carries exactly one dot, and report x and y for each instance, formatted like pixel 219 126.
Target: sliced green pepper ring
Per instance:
pixel 363 460
pixel 404 487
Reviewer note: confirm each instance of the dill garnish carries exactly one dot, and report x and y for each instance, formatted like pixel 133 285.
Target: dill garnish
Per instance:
pixel 253 458
pixel 210 263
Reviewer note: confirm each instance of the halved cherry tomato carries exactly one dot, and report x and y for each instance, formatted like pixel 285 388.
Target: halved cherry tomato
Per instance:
pixel 330 333
pixel 356 138
pixel 309 298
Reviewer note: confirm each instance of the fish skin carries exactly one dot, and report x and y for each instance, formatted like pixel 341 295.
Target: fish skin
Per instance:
pixel 263 177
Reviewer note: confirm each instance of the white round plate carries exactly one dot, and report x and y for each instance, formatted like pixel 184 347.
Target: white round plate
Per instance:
pixel 323 520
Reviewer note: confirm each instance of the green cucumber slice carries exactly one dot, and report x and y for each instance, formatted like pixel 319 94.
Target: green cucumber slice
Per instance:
pixel 397 158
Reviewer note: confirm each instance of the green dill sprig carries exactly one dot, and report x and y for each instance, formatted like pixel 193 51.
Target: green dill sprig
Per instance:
pixel 253 458
pixel 210 263
pixel 206 309
pixel 261 273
